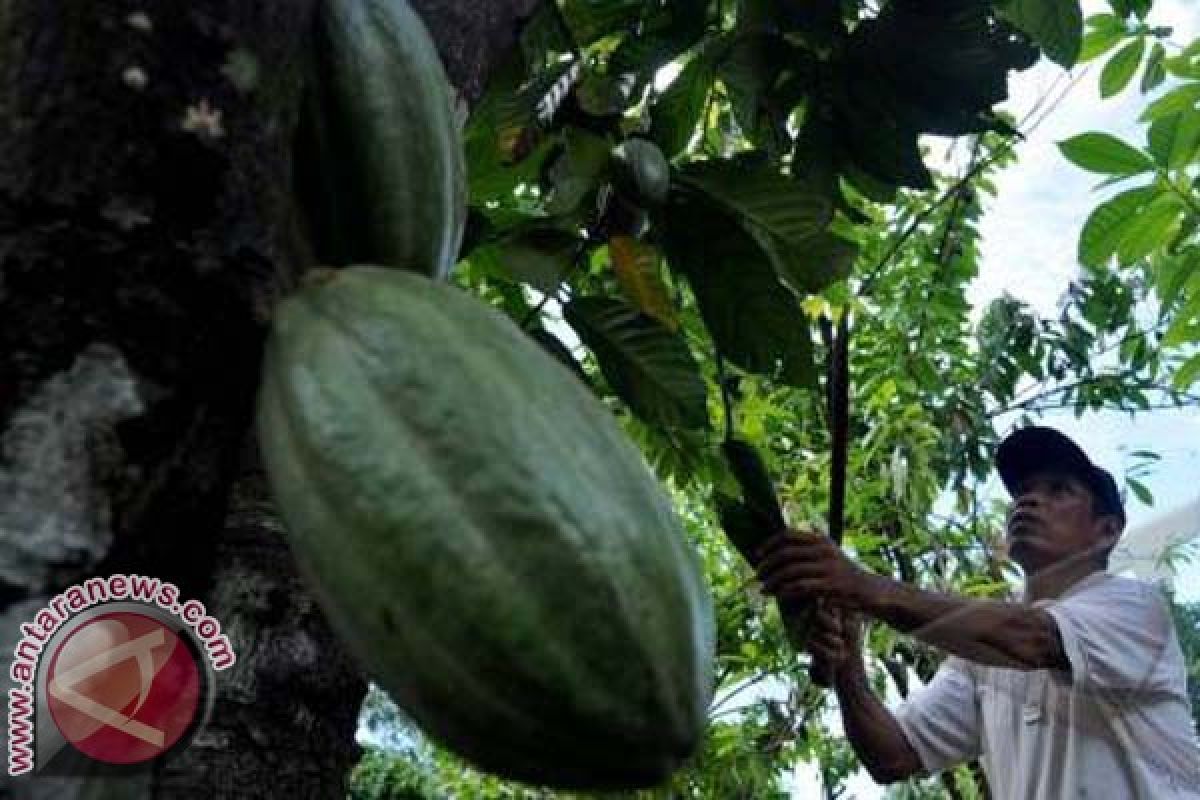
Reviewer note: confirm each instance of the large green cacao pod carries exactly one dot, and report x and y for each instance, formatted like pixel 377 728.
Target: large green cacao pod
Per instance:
pixel 379 158
pixel 483 535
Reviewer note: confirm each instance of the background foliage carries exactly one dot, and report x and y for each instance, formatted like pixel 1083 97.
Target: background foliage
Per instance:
pixel 683 200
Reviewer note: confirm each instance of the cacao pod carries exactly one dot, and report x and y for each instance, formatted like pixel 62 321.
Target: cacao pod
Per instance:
pixel 642 169
pixel 482 534
pixel 380 170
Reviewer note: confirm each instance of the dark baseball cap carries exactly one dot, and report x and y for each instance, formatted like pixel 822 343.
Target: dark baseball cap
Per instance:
pixel 1034 448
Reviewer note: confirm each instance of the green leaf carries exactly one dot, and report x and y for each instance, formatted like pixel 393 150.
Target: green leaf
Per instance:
pixel 1171 273
pixel 785 217
pixel 578 171
pixel 1140 489
pixel 1152 230
pixel 1174 140
pixel 1155 72
pixel 754 320
pixel 1097 43
pixel 1186 327
pixel 1120 69
pixel 649 367
pixel 816 262
pixel 677 112
pixel 1108 23
pixel 748 72
pixel 589 20
pixel 1180 99
pixel 1055 25
pixel 537 256
pixel 1106 154
pixel 1108 224
pixel 1187 374
pixel 636 265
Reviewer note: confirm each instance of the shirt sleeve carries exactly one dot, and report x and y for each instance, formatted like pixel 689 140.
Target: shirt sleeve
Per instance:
pixel 1116 636
pixel 941 719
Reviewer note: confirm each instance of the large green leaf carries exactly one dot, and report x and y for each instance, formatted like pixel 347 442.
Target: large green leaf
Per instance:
pixel 755 321
pixel 1180 99
pixel 880 145
pixel 589 20
pixel 1152 230
pixel 676 113
pixel 1120 69
pixel 786 217
pixel 578 171
pixel 537 256
pixel 1098 42
pixel 1186 327
pixel 1056 25
pixel 816 262
pixel 1106 154
pixel 1108 224
pixel 919 67
pixel 1187 374
pixel 1174 141
pixel 1171 274
pixel 649 367
pixel 759 197
pixel 637 266
pixel 748 72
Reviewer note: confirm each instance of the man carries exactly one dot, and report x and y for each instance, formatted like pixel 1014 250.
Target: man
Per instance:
pixel 1077 691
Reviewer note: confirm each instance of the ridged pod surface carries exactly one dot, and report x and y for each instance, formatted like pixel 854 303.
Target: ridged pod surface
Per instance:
pixel 380 167
pixel 483 535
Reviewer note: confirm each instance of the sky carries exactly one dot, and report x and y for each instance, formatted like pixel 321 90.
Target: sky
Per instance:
pixel 1029 235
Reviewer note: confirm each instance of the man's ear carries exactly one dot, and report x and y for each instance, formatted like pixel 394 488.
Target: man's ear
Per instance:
pixel 1110 531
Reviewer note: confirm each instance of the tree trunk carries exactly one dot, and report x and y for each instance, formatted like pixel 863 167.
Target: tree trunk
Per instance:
pixel 146 231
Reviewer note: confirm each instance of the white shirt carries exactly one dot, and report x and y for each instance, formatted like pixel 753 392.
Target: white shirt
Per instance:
pixel 1118 726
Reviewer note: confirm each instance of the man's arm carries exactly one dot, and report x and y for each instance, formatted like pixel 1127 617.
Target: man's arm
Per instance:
pixel 988 632
pixel 872 729
pixel 991 632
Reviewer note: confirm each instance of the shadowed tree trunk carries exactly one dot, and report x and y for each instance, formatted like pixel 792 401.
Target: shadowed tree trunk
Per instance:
pixel 146 232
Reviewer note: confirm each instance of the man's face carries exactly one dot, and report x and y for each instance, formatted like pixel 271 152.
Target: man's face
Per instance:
pixel 1051 518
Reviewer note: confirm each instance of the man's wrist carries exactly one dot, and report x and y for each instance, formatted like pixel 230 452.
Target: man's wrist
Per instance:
pixel 851 675
pixel 869 594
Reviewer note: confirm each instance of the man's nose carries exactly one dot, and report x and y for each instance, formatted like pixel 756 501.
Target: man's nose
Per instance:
pixel 1029 500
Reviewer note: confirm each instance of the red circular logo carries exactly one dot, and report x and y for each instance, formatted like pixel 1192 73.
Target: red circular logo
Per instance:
pixel 123 688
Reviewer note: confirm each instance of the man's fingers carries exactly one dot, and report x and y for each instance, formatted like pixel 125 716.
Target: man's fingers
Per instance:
pixel 783 541
pixel 828 648
pixel 794 574
pixel 788 554
pixel 829 619
pixel 797 590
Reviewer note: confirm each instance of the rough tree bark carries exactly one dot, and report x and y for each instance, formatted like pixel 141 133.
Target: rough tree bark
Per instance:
pixel 146 231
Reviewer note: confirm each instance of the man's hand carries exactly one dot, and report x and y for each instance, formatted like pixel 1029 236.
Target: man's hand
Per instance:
pixel 835 637
pixel 796 566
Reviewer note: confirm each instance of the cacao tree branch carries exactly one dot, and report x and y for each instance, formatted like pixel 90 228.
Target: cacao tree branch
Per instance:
pixel 1030 403
pixel 821 672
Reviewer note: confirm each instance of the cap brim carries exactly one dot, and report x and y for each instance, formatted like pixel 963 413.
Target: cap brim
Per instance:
pixel 1032 449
